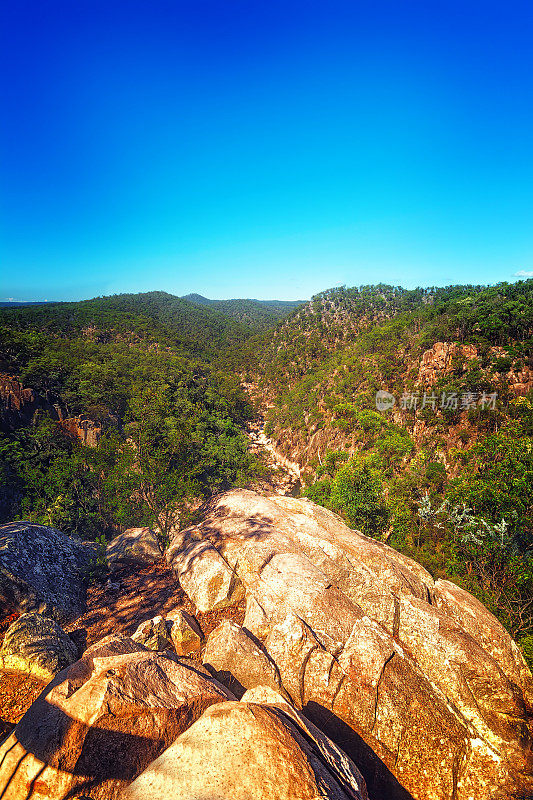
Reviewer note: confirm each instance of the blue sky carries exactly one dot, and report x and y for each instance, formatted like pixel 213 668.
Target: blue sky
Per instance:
pixel 263 149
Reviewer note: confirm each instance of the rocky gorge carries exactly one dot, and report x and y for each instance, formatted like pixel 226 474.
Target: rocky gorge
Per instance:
pixel 338 668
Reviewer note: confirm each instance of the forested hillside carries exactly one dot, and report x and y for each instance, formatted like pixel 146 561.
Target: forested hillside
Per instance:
pixel 257 313
pixel 159 317
pixel 440 464
pixel 445 474
pixel 154 379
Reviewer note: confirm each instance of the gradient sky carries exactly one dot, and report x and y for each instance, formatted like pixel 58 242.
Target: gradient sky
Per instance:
pixel 263 149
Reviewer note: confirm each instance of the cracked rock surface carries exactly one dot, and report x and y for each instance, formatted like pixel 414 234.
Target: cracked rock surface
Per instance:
pixel 100 722
pixel 258 748
pixel 416 680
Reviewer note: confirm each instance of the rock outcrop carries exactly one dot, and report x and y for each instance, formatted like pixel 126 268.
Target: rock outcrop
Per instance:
pixel 258 748
pixel 440 360
pixel 238 661
pixel 203 574
pixel 414 682
pixel 137 546
pixel 18 404
pixel 392 666
pixel 36 645
pixel 86 431
pixel 102 721
pixel 42 570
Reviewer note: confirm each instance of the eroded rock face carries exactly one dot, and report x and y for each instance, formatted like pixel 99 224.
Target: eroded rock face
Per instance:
pixel 137 546
pixel 203 574
pixel 423 689
pixel 36 645
pixel 439 360
pixel 102 721
pixel 86 431
pixel 18 404
pixel 42 570
pixel 259 748
pixel 238 661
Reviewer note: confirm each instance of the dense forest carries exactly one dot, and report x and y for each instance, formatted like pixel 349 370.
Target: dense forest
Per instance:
pixel 157 376
pixel 444 474
pixel 261 314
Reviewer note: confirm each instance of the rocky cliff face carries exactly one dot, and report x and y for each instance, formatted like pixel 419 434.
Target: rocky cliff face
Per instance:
pixel 85 431
pixel 305 446
pixel 444 357
pixel 18 404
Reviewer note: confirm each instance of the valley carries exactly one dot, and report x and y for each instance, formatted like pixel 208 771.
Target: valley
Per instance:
pixel 321 511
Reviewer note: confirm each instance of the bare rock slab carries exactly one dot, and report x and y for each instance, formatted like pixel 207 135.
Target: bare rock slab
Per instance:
pixel 238 661
pixel 102 721
pixel 203 574
pixel 251 749
pixel 414 679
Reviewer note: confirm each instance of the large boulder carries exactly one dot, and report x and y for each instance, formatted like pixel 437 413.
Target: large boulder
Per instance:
pixel 417 681
pixel 102 721
pixel 43 570
pixel 237 659
pixel 259 748
pixel 136 546
pixel 202 573
pixel 36 645
pixel 483 626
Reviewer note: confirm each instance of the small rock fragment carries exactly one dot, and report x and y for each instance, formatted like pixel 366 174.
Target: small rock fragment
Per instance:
pixel 153 634
pixel 185 633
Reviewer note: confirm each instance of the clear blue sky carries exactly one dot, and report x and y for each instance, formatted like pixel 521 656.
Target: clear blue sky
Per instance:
pixel 263 149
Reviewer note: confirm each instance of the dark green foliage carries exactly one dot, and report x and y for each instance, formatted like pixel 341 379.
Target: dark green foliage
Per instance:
pixel 153 371
pixel 155 318
pixel 356 492
pixel 260 314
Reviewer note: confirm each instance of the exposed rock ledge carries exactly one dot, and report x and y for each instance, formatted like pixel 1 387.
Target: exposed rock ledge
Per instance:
pixel 417 681
pixel 414 682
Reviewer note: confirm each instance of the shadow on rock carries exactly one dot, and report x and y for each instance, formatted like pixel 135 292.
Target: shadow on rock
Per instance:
pixel 381 783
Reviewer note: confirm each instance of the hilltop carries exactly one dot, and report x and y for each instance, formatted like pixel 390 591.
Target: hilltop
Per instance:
pixel 257 313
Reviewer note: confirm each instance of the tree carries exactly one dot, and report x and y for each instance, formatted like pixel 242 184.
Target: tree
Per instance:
pixel 356 493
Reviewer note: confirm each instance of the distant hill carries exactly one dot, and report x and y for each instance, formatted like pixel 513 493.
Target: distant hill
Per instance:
pixel 22 303
pixel 151 316
pixel 256 313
